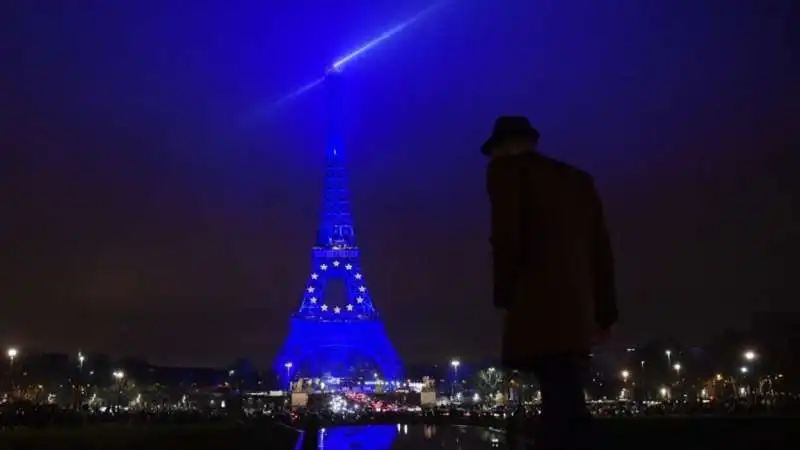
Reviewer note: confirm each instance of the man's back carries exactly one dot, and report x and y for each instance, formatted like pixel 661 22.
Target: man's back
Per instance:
pixel 553 274
pixel 549 241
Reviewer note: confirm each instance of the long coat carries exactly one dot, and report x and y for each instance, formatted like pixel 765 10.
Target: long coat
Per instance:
pixel 553 265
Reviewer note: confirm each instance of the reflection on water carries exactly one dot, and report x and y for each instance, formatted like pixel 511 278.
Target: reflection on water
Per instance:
pixel 429 431
pixel 377 437
pixel 402 436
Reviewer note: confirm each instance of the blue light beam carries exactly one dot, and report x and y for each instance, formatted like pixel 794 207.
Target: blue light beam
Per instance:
pixel 339 64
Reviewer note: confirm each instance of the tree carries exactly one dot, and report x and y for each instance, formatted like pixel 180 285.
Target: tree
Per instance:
pixel 490 382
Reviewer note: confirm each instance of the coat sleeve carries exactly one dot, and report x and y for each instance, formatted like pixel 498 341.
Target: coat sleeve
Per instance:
pixel 504 185
pixel 605 292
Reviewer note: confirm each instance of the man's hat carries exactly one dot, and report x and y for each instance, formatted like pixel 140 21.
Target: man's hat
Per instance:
pixel 509 127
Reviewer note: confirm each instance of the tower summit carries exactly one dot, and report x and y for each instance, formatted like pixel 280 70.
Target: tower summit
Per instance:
pixel 336 221
pixel 336 331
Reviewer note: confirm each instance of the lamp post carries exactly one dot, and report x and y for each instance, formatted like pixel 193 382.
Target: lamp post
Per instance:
pixel 625 374
pixel 454 363
pixel 665 393
pixel 80 384
pixel 643 381
pixel 750 356
pixel 12 355
pixel 288 367
pixel 119 376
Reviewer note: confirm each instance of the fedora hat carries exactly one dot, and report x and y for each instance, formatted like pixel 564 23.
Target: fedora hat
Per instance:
pixel 509 127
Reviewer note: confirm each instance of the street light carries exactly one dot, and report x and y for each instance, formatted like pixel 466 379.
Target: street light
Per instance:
pixel 12 354
pixel 743 369
pixel 119 376
pixel 455 363
pixel 677 368
pixel 288 367
pixel 749 355
pixel 625 374
pixel 669 357
pixel 81 360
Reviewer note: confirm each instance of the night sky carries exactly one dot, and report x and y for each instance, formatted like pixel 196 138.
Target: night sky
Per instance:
pixel 154 204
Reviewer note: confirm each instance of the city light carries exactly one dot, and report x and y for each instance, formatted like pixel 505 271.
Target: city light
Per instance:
pixel 625 374
pixel 454 363
pixel 749 355
pixel 12 353
pixel 118 375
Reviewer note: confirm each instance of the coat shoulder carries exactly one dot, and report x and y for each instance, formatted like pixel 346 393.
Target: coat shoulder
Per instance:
pixel 568 170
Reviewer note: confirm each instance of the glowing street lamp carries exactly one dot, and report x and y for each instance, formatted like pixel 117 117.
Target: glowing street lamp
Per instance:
pixel 664 392
pixel 625 374
pixel 12 354
pixel 743 369
pixel 677 368
pixel 455 363
pixel 749 355
pixel 288 365
pixel 81 360
pixel 669 357
pixel 118 375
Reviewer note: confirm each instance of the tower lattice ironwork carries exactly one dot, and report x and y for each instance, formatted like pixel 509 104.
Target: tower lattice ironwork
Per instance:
pixel 336 332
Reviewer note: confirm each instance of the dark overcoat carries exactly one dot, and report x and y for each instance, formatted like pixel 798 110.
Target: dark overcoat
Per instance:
pixel 553 265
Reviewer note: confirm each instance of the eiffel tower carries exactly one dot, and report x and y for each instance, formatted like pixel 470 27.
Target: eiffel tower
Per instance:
pixel 336 332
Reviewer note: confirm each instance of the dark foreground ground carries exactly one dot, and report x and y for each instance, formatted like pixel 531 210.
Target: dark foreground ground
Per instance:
pixel 658 433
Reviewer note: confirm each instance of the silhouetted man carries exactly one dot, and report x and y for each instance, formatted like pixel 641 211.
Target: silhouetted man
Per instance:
pixel 553 273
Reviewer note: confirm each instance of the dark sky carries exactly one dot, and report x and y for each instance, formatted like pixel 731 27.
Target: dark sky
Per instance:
pixel 154 205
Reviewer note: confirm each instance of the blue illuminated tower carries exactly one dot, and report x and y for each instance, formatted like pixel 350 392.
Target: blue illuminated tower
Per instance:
pixel 336 330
